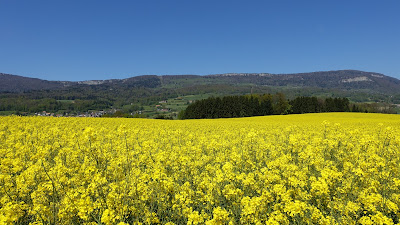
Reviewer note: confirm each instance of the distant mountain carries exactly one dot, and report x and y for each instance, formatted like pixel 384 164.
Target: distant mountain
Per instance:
pixel 341 79
pixel 352 80
pixel 14 83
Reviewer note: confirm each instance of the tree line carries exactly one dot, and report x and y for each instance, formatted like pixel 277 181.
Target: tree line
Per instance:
pixel 261 105
pixel 22 104
pixel 302 104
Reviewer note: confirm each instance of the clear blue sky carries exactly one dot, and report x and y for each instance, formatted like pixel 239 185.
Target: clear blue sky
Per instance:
pixel 84 40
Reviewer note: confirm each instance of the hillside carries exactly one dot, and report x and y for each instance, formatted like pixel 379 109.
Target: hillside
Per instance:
pixel 153 94
pixel 342 79
pixel 14 83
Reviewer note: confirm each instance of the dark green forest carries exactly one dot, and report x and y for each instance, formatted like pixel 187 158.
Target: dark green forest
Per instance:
pixel 261 105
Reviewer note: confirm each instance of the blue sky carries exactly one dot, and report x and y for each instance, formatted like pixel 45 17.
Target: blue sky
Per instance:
pixel 85 40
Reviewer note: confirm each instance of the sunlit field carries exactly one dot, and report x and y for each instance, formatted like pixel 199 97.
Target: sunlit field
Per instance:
pixel 327 168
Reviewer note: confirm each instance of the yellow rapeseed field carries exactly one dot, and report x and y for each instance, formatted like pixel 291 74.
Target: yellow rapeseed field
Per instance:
pixel 331 168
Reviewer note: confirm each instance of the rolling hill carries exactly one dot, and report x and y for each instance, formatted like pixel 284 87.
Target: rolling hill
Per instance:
pixel 172 93
pixel 342 80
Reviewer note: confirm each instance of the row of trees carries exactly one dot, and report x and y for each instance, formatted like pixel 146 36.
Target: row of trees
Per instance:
pixel 314 105
pixel 260 105
pixel 51 105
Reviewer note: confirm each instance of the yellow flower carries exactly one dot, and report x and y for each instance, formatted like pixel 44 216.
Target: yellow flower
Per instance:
pixel 307 169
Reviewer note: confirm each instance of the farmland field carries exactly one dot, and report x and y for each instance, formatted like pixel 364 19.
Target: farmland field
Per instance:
pixel 328 168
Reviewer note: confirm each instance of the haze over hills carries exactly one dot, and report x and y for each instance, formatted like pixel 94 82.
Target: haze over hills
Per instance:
pixel 341 80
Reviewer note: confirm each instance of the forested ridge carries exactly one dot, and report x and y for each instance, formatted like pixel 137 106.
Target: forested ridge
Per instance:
pixel 373 92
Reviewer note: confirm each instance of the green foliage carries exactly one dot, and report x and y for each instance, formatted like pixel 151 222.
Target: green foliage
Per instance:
pixel 375 108
pixel 260 105
pixel 118 114
pixel 228 107
pixel 163 117
pixel 314 105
